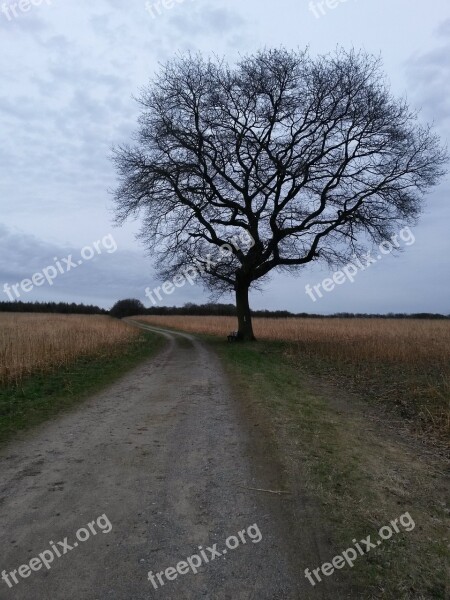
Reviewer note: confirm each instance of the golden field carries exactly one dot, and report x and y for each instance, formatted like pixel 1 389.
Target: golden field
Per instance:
pixel 404 362
pixel 38 342
pixel 396 339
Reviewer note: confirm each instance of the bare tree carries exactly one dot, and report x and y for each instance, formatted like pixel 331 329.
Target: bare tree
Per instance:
pixel 312 158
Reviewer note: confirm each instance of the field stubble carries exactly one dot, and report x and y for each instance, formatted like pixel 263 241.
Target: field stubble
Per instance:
pixel 31 343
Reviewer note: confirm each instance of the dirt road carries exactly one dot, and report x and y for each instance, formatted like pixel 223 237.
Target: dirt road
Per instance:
pixel 165 455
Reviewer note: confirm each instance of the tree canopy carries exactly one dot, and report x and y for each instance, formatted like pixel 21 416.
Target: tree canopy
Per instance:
pixel 311 157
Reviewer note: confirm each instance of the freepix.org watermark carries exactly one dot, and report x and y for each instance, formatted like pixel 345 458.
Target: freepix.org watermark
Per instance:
pixel 155 9
pixel 46 558
pixel 60 267
pixel 351 270
pixel 321 7
pixel 349 556
pixel 204 556
pixel 200 266
pixel 13 10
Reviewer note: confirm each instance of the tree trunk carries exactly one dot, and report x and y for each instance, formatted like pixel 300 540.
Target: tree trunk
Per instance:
pixel 245 328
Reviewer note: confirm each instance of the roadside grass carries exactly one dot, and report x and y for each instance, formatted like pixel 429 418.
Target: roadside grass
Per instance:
pixel 359 473
pixel 42 395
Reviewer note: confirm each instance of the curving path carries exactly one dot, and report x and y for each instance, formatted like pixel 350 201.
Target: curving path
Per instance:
pixel 166 455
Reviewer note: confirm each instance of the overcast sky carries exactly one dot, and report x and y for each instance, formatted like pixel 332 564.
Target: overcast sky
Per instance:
pixel 70 69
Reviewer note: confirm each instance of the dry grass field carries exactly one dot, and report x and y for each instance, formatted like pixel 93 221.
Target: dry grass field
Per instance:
pixel 398 339
pixel 39 342
pixel 404 362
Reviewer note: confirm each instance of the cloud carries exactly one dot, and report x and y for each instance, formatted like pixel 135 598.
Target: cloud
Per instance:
pixel 13 21
pixel 108 276
pixel 444 29
pixel 201 20
pixel 429 78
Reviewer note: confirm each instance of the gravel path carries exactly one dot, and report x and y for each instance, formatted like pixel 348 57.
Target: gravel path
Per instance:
pixel 165 455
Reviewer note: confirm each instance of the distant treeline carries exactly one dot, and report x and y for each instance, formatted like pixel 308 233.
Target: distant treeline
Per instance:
pixel 216 310
pixel 52 307
pixel 135 307
pixel 230 311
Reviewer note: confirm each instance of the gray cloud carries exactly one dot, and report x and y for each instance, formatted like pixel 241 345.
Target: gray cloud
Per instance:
pixel 429 78
pixel 105 278
pixel 24 23
pixel 204 20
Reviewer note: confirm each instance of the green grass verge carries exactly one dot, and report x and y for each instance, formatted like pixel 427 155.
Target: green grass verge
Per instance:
pixel 360 476
pixel 43 395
